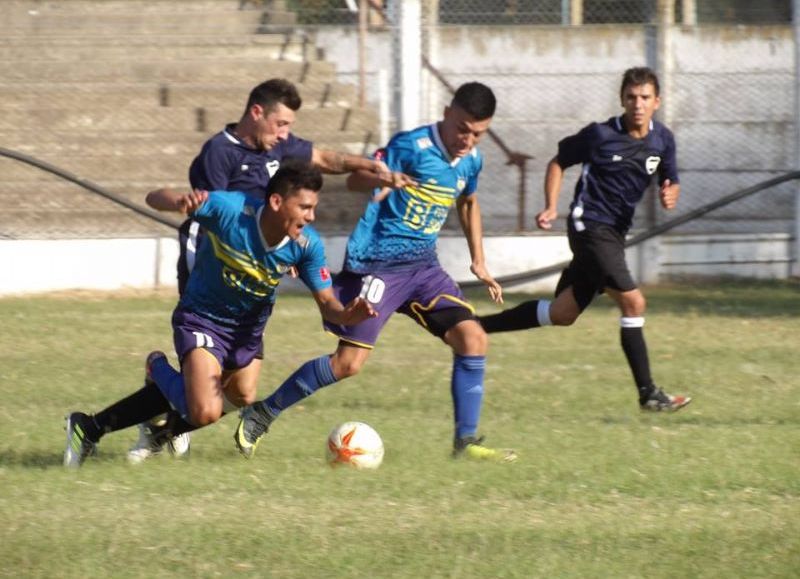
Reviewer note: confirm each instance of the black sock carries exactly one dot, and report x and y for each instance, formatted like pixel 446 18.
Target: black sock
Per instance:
pixel 635 349
pixel 521 317
pixel 177 424
pixel 144 404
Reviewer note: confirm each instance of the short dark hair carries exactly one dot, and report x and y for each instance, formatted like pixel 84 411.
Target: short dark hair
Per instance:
pixel 637 76
pixel 293 175
pixel 273 91
pixel 476 99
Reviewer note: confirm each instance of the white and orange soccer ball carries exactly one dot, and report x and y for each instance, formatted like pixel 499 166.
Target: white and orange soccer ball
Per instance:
pixel 355 444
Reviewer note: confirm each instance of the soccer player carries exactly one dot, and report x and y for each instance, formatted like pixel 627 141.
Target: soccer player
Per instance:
pixel 219 322
pixel 620 158
pixel 391 261
pixel 243 157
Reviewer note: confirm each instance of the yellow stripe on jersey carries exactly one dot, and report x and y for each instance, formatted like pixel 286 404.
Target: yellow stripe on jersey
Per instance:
pixel 241 262
pixel 428 194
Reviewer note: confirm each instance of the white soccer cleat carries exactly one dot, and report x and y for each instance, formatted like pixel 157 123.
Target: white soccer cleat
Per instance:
pixel 150 444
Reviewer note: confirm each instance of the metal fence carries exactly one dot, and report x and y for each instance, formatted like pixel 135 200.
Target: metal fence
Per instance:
pixel 135 114
pixel 728 80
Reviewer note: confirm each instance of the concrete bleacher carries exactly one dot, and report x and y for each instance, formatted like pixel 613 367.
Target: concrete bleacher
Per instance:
pixel 123 93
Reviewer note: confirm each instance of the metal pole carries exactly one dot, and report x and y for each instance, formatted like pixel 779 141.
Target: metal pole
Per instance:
pixel 363 13
pixel 795 269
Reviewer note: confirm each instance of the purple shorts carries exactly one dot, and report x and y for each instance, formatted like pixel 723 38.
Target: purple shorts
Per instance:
pixel 233 347
pixel 415 293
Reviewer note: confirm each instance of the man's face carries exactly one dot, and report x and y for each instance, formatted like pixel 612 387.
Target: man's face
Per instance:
pixel 460 132
pixel 272 126
pixel 295 211
pixel 640 103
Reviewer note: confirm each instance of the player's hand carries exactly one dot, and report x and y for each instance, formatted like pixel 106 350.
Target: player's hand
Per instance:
pixel 357 311
pixel 668 194
pixel 396 180
pixel 494 288
pixel 190 202
pixel 544 219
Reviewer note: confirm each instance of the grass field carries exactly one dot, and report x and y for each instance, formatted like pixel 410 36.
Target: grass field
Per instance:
pixel 600 490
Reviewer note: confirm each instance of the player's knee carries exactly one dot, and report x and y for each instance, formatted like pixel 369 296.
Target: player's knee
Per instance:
pixel 468 339
pixel 345 367
pixel 203 415
pixel 563 317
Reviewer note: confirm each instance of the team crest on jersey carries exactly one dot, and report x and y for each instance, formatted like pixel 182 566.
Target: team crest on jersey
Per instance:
pixel 460 184
pixel 272 167
pixel 424 142
pixel 244 167
pixel 651 164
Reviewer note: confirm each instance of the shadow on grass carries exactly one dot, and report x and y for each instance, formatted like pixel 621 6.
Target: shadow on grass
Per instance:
pixel 40 459
pixel 31 459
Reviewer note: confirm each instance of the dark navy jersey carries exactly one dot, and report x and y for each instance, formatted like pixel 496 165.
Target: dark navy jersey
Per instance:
pixel 225 163
pixel 617 170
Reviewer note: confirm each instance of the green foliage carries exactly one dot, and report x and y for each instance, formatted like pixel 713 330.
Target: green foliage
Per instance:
pixel 601 490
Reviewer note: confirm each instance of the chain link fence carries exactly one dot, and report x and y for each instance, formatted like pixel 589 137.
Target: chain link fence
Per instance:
pixel 143 98
pixel 728 80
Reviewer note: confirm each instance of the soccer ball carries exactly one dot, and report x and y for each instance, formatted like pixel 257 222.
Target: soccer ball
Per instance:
pixel 355 444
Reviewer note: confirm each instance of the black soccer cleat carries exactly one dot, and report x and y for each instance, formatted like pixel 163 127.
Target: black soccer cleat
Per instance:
pixel 660 401
pixel 79 445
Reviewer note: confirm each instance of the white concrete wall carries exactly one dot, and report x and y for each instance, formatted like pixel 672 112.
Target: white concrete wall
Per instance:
pixel 32 266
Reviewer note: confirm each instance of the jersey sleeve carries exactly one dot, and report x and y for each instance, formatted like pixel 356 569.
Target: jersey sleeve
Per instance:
pixel 398 154
pixel 668 168
pixel 577 148
pixel 217 209
pixel 211 169
pixel 313 268
pixel 296 148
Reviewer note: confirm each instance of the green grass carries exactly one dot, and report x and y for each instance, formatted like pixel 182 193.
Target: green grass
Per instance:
pixel 600 490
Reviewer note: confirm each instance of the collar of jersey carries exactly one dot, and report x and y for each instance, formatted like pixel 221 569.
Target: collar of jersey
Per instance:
pixel 266 245
pixel 621 127
pixel 437 139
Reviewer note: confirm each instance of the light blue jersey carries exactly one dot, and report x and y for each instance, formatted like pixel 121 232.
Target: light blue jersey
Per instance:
pixel 400 231
pixel 236 274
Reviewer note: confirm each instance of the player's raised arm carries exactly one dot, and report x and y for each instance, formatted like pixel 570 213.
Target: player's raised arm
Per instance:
pixel 334 312
pixel 171 200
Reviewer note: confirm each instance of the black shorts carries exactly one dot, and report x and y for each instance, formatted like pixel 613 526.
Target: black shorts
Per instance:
pixel 598 262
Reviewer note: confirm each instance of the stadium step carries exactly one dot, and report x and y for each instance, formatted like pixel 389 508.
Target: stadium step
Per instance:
pixel 61 48
pixel 163 93
pixel 122 93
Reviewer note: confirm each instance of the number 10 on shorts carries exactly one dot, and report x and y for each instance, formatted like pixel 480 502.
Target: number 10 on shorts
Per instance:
pixel 372 289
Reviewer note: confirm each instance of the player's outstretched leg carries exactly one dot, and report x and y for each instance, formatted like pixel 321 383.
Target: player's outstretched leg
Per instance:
pixel 82 437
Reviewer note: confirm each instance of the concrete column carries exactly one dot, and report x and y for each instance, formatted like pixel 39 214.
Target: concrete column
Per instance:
pixel 689 12
pixel 649 254
pixel 406 43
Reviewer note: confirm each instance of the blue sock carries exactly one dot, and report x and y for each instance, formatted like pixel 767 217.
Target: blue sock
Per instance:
pixel 306 380
pixel 170 382
pixel 467 390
